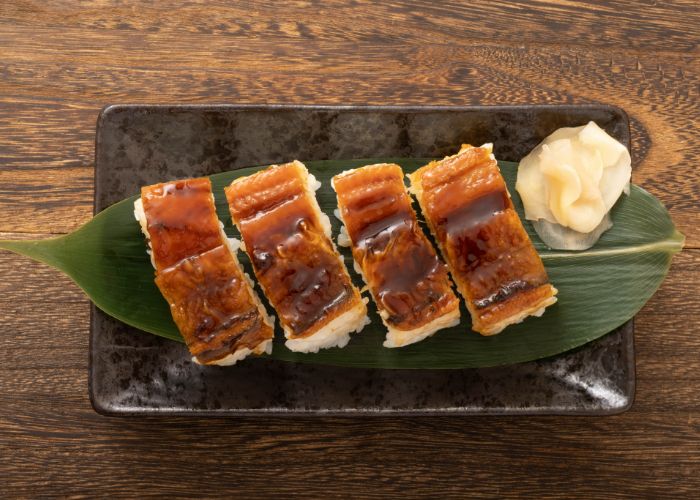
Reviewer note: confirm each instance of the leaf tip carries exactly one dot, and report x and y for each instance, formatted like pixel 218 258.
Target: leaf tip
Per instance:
pixel 681 243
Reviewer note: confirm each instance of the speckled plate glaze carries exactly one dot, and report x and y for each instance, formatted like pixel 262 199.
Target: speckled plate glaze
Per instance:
pixel 135 373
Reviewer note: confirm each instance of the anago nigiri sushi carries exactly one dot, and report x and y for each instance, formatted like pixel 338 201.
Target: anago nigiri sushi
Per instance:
pixel 296 263
pixel 407 280
pixel 491 258
pixel 211 299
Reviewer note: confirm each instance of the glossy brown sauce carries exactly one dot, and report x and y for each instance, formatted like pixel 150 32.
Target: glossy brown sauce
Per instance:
pixel 293 259
pixel 212 306
pixel 491 256
pixel 402 270
pixel 182 220
pixel 476 213
pixel 208 296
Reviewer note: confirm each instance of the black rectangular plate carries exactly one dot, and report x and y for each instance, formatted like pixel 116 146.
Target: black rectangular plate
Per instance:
pixel 132 372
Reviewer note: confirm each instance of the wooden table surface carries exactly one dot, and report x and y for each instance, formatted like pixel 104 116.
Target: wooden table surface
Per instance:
pixel 60 62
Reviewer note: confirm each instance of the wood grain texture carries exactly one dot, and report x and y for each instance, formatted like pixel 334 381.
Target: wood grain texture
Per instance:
pixel 61 61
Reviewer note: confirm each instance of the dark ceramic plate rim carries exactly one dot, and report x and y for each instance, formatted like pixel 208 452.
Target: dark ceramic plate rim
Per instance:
pixel 627 328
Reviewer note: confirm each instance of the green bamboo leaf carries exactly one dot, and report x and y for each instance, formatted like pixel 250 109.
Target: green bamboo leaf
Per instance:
pixel 599 289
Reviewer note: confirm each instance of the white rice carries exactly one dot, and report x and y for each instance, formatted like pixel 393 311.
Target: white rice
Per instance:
pixel 264 347
pixel 334 334
pixel 140 216
pixel 401 338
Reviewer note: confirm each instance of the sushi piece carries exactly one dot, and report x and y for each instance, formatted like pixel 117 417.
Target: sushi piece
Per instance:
pixel 297 265
pixel 211 299
pixel 407 280
pixel 468 208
